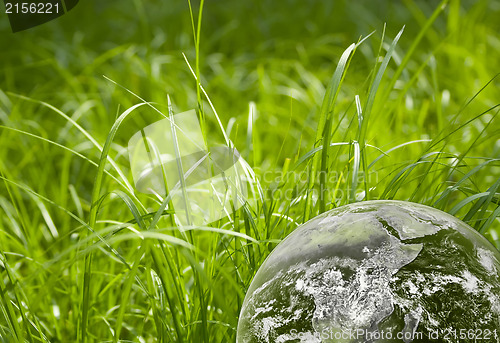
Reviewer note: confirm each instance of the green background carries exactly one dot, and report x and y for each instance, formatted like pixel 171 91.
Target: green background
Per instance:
pixel 83 259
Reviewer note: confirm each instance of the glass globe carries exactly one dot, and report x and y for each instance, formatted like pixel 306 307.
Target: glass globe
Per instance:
pixel 376 271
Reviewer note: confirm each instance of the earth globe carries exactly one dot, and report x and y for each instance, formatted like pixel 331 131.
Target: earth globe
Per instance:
pixel 376 271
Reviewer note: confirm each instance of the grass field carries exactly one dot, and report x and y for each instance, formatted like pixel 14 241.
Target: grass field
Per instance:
pixel 409 112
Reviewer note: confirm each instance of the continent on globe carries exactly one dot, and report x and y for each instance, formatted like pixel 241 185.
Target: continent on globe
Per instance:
pixel 376 271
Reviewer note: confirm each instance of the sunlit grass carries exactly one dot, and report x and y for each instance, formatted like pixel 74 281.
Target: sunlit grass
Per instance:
pixel 335 118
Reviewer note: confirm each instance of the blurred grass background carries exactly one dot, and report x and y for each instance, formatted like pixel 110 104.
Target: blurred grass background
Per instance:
pixel 264 63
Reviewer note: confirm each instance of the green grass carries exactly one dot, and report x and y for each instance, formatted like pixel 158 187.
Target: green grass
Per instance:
pixel 328 105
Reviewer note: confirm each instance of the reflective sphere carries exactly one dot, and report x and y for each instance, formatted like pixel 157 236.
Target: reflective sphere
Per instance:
pixel 376 271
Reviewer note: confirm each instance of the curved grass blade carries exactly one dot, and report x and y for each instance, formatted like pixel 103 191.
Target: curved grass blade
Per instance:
pixel 93 217
pixel 466 201
pixel 374 88
pixel 428 24
pixel 82 130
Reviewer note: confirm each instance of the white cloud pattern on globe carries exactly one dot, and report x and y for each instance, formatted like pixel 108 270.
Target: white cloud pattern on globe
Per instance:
pixel 377 271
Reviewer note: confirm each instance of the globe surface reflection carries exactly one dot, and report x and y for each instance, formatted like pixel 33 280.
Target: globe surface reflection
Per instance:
pixel 376 271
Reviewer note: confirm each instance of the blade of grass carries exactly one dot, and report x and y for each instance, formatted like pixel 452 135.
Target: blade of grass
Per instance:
pixel 323 131
pixel 82 130
pixel 7 308
pixel 409 54
pixel 466 201
pixel 93 218
pixel 374 88
pixel 355 172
